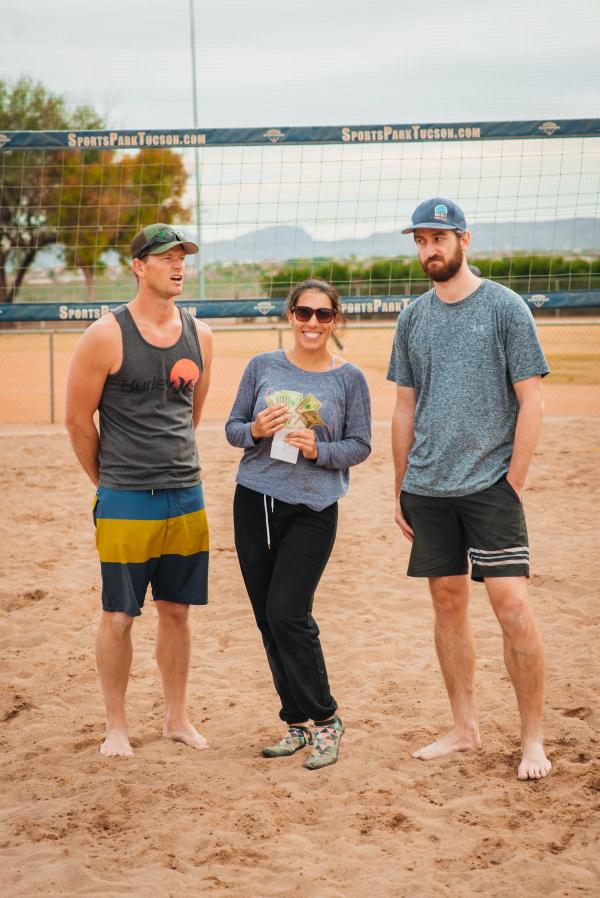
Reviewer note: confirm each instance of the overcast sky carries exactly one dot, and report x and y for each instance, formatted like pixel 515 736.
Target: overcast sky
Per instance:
pixel 278 62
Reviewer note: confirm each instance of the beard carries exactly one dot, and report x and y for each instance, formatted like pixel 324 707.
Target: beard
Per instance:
pixel 439 271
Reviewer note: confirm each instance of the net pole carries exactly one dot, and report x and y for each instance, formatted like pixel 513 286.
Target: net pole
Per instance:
pixel 199 262
pixel 52 378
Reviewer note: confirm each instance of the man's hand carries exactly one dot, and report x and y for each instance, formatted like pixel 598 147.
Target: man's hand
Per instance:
pixel 305 441
pixel 518 488
pixel 269 421
pixel 401 521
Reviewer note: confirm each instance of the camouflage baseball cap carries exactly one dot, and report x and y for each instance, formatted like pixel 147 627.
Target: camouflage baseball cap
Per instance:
pixel 159 238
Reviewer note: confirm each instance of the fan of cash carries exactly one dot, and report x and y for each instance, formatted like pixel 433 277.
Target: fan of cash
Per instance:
pixel 304 410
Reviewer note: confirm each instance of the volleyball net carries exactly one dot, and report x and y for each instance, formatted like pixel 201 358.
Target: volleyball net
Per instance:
pixel 272 206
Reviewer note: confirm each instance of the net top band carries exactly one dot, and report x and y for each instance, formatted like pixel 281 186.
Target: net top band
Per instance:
pixel 408 133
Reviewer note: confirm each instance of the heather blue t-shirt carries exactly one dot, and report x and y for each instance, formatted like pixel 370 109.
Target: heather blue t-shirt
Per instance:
pixel 462 359
pixel 343 441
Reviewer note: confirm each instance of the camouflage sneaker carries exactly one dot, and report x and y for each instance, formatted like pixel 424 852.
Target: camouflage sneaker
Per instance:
pixel 295 739
pixel 327 745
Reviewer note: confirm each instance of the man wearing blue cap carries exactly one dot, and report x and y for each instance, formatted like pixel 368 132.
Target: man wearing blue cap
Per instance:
pixel 468 368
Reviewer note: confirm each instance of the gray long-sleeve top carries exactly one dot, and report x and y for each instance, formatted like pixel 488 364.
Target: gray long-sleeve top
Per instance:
pixel 344 440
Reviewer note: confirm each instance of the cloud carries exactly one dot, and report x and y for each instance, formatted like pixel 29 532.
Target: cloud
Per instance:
pixel 353 62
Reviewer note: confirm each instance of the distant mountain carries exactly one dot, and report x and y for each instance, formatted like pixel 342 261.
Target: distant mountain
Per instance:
pixel 566 235
pixel 562 236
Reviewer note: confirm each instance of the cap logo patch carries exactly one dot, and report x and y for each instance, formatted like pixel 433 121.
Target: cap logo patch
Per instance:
pixel 440 213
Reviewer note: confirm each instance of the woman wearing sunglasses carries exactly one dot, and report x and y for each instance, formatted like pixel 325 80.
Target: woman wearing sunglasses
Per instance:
pixel 303 417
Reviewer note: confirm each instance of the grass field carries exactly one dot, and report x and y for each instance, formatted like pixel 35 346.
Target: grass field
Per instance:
pixel 573 352
pixel 249 280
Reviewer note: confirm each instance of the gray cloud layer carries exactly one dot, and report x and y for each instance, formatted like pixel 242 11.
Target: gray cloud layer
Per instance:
pixel 261 63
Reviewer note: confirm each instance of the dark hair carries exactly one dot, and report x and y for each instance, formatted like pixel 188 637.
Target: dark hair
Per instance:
pixel 316 284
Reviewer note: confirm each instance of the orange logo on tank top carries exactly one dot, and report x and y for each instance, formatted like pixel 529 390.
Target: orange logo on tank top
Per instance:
pixel 184 375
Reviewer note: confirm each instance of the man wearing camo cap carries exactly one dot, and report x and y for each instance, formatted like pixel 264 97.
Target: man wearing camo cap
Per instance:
pixel 145 367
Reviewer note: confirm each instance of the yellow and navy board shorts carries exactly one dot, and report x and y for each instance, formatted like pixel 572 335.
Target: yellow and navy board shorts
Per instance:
pixel 157 537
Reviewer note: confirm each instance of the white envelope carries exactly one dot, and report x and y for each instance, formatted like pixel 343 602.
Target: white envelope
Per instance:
pixel 282 450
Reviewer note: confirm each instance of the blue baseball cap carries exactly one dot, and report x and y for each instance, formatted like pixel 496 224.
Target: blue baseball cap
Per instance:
pixel 438 214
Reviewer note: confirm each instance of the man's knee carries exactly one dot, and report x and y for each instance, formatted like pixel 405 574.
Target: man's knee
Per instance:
pixel 511 605
pixel 450 595
pixel 172 613
pixel 117 623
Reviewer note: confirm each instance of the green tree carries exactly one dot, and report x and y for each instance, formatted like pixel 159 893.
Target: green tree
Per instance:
pixel 25 193
pixel 104 200
pixel 278 284
pixel 87 201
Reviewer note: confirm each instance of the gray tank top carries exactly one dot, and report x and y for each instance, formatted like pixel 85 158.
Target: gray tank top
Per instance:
pixel 146 430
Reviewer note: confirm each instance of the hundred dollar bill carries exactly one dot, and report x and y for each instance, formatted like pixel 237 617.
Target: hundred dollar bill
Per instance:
pixel 291 398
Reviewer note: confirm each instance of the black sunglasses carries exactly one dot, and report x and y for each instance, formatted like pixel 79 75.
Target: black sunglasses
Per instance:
pixel 165 235
pixel 305 313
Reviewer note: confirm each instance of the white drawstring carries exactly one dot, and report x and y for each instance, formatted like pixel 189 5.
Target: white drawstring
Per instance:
pixel 267 518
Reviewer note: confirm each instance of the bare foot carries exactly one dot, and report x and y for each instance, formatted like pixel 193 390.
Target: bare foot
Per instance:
pixel 116 744
pixel 534 764
pixel 455 740
pixel 187 734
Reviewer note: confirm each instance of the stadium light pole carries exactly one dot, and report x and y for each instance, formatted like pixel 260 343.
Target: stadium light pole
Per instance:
pixel 199 261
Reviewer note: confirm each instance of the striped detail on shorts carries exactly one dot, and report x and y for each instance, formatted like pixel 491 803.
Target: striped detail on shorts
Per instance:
pixel 497 557
pixel 157 537
pixel 134 541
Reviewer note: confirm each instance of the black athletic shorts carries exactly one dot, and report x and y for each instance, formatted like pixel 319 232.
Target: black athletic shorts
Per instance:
pixel 487 528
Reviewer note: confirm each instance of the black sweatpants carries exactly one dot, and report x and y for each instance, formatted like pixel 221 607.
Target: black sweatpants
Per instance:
pixel 281 582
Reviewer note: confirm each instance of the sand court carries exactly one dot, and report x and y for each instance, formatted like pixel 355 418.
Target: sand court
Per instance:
pixel 30 362
pixel 226 822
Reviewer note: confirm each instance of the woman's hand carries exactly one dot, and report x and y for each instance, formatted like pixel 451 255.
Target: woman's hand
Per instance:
pixel 269 421
pixel 305 441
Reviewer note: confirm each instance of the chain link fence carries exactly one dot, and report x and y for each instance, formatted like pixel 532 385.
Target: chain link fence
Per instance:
pixel 34 365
